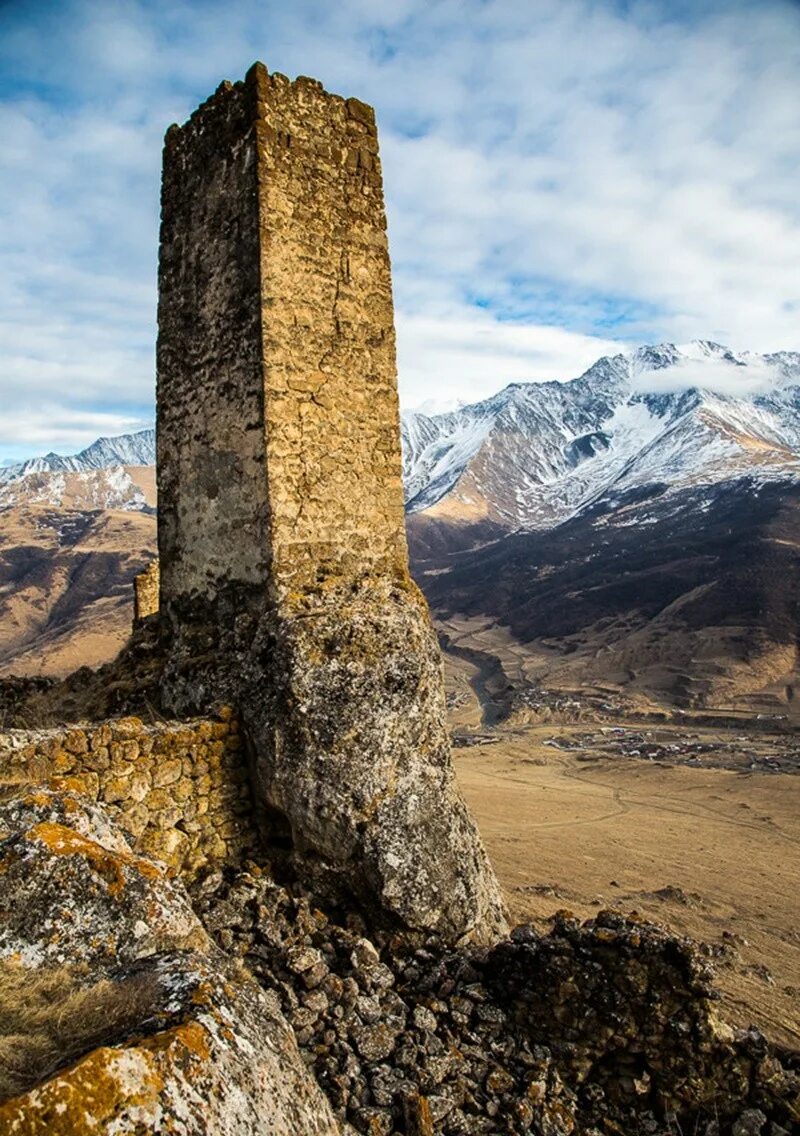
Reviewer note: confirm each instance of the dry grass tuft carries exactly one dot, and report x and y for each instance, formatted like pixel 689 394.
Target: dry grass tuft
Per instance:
pixel 50 1017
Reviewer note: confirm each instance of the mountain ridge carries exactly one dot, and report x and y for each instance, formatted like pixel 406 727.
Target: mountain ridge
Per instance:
pixel 533 454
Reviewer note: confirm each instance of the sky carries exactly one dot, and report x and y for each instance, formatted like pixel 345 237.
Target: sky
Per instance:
pixel 563 178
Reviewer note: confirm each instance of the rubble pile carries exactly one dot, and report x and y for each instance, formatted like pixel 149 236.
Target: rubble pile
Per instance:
pixel 606 1027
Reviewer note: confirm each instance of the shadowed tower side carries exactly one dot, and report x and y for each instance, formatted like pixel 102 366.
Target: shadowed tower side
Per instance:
pixel 284 571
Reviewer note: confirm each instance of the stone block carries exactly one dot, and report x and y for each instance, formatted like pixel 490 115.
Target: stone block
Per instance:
pixel 98 758
pixel 122 751
pixel 100 737
pixel 138 785
pixel 115 789
pixel 167 772
pixel 63 761
pixel 134 817
pixel 75 742
pixel 158 799
pixel 167 845
pixel 130 727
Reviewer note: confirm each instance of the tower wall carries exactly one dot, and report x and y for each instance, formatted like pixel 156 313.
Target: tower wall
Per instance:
pixel 278 437
pixel 332 436
pixel 284 571
pixel 212 491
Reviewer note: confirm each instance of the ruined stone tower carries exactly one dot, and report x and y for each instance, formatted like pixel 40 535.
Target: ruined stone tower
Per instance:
pixel 284 575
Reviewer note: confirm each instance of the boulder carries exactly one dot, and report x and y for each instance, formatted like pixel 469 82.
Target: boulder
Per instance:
pixel 150 1027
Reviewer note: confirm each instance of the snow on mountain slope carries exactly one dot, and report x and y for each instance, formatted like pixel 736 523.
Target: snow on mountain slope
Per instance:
pixel 106 475
pixel 126 449
pixel 536 453
pixel 533 454
pixel 131 488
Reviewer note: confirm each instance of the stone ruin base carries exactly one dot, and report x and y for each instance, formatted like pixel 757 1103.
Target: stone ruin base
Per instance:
pixel 605 1027
pixel 112 832
pixel 230 1006
pixel 341 699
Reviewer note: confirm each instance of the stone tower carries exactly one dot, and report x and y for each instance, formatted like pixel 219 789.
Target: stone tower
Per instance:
pixel 284 578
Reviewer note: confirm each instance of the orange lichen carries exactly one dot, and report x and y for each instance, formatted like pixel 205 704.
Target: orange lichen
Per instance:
pixel 77 783
pixel 82 1100
pixel 203 995
pixel 191 1036
pixel 37 797
pixel 109 865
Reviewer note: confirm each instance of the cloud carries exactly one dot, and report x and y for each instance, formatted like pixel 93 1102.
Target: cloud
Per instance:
pixel 52 427
pixel 722 377
pixel 446 353
pixel 561 175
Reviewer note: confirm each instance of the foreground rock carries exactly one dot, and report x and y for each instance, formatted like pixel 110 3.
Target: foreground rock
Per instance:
pixel 354 752
pixel 609 1027
pixel 144 1025
pixel 127 1006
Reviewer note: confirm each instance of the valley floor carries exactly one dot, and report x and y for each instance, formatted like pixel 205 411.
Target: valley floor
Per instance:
pixel 711 852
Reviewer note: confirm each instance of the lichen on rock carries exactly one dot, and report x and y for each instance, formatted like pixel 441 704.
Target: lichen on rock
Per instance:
pixel 201 1049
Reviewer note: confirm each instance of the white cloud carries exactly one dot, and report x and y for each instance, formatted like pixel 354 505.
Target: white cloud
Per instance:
pixel 53 427
pixel 587 172
pixel 448 353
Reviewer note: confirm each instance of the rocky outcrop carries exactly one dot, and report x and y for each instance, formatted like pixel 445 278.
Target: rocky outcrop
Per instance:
pixel 605 1027
pixel 355 755
pixel 128 1006
pixel 152 1028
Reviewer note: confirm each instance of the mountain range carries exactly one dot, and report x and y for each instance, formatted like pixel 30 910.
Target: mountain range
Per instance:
pixel 535 454
pixel 124 449
pixel 635 529
pixel 111 473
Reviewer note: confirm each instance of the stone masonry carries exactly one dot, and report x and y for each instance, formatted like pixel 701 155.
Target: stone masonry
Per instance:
pixel 284 573
pixel 179 792
pixel 145 593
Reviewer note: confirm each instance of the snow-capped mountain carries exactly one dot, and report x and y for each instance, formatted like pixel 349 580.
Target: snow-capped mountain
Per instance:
pixel 533 454
pixel 106 475
pixel 125 449
pixel 536 453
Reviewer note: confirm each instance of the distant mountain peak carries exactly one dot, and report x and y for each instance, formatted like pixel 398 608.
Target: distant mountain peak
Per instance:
pixel 96 475
pixel 137 448
pixel 536 453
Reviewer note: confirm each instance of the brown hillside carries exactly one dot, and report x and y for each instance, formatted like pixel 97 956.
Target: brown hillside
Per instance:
pixel 66 585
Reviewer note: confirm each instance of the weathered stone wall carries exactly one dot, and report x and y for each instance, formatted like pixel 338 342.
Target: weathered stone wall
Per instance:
pixel 212 491
pixel 332 433
pixel 145 592
pixel 181 792
pixel 278 426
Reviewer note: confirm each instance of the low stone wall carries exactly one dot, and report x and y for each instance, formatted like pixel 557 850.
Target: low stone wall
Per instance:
pixel 180 791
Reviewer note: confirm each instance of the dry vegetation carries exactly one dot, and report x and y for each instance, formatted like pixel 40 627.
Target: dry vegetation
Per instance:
pixel 50 1017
